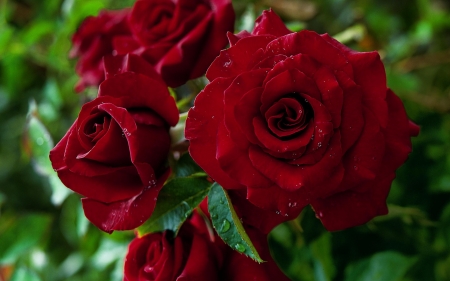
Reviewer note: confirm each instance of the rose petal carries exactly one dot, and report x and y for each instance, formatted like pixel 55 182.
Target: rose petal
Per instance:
pixel 293 177
pixel 147 92
pixel 129 63
pixel 270 23
pixel 201 130
pixel 126 214
pixel 237 59
pixel 235 161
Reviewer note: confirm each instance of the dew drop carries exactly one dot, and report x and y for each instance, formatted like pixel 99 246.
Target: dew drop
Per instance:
pixel 355 168
pixel 225 226
pixel 319 144
pixel 40 141
pixel 239 247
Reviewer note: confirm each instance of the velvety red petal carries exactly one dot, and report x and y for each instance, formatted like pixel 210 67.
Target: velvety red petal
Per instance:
pixel 123 63
pixel 363 160
pixel 233 38
pixel 270 23
pixel 293 177
pixel 237 59
pixel 352 208
pixel 235 161
pixel 246 110
pixel 239 267
pixel 120 185
pixel 285 83
pixel 300 62
pixel 124 215
pixel 201 264
pixel 262 219
pixel 137 254
pixel 331 94
pixel 312 44
pixel 352 120
pixel 147 92
pixel 183 56
pixel 221 23
pixel 201 130
pixel 238 88
pixel 397 134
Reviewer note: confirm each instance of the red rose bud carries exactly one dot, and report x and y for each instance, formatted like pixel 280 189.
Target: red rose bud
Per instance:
pixel 298 118
pixel 92 41
pixel 196 255
pixel 115 153
pixel 179 38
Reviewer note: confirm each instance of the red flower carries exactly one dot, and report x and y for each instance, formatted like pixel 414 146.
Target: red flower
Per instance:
pixel 180 38
pixel 92 41
pixel 298 118
pixel 196 254
pixel 115 153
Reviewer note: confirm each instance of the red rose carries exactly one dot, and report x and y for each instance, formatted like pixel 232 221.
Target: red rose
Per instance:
pixel 115 153
pixel 298 118
pixel 180 38
pixel 92 41
pixel 196 254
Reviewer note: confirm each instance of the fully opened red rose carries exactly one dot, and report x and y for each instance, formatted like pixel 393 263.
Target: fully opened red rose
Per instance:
pixel 297 119
pixel 115 153
pixel 179 38
pixel 196 254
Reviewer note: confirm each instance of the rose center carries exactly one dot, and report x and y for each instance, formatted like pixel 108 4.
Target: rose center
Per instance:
pixel 96 126
pixel 289 116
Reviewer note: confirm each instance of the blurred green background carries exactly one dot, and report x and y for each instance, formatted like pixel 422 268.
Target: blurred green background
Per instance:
pixel 43 232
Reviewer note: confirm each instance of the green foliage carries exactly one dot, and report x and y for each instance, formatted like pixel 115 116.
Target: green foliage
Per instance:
pixel 176 201
pixel 227 223
pixel 44 234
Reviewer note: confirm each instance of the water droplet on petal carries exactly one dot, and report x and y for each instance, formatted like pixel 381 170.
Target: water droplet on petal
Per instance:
pixel 355 168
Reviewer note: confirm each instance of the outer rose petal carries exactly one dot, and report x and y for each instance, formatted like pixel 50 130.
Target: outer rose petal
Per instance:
pixel 201 131
pixel 127 214
pixel 270 23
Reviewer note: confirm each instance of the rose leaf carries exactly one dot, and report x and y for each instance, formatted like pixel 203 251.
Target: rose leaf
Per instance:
pixel 227 223
pixel 176 201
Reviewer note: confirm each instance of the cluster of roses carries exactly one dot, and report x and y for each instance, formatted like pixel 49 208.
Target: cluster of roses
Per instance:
pixel 289 119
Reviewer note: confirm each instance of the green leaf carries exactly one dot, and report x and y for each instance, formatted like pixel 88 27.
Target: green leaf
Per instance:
pixel 176 201
pixel 186 166
pixel 384 266
pixel 39 142
pixel 227 223
pixel 324 268
pixel 19 234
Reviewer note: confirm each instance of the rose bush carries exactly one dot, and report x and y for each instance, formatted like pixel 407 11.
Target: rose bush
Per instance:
pixel 179 38
pixel 195 254
pixel 116 151
pixel 298 118
pixel 93 40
